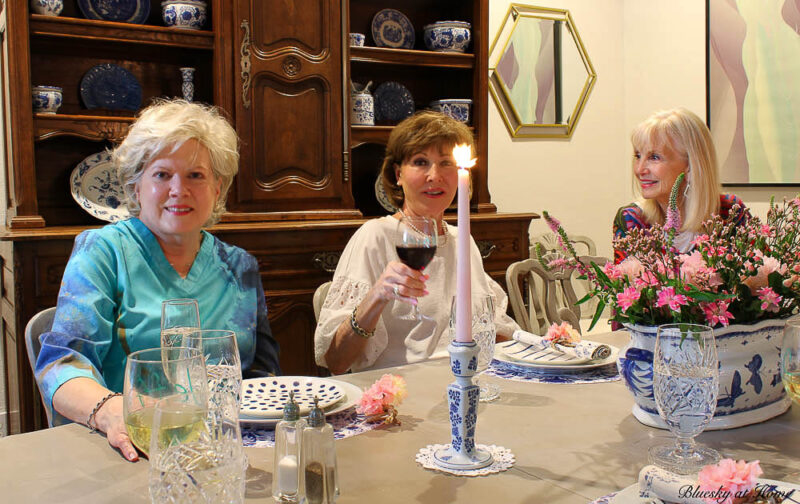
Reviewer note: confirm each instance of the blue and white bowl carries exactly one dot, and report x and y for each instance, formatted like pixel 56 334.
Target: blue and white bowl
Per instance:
pixel 46 99
pixel 189 14
pixel 452 36
pixel 47 7
pixel 458 109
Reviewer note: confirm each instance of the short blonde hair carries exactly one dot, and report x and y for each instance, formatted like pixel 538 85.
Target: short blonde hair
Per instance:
pixel 688 135
pixel 163 127
pixel 417 133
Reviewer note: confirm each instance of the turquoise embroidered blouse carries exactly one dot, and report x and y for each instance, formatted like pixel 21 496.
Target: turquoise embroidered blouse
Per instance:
pixel 110 305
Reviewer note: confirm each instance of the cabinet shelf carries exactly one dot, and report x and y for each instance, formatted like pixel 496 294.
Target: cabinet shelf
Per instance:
pixel 93 30
pixel 97 128
pixel 410 57
pixel 371 134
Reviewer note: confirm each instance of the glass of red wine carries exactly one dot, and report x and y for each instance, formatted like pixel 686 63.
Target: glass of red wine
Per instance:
pixel 416 245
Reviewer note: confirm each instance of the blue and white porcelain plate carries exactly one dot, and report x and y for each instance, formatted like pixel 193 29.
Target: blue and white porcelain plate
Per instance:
pixel 352 392
pixel 94 185
pixel 391 28
pixel 393 102
pixel 266 397
pixel 514 352
pixel 121 11
pixel 112 87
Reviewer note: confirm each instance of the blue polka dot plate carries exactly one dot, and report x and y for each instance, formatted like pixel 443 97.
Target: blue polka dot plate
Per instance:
pixel 353 395
pixel 95 187
pixel 391 28
pixel 266 397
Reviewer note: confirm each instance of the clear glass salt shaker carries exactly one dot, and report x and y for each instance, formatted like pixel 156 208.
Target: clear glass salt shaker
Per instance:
pixel 318 477
pixel 286 466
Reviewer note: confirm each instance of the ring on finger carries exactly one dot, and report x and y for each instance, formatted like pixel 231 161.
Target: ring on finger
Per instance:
pixel 396 290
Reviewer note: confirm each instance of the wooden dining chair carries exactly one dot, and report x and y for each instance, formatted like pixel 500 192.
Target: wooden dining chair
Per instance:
pixel 319 298
pixel 39 324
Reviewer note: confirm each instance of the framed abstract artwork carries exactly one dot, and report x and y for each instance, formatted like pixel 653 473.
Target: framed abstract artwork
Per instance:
pixel 753 89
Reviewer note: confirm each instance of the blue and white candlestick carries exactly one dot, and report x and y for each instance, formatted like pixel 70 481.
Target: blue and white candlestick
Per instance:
pixel 462 398
pixel 187 86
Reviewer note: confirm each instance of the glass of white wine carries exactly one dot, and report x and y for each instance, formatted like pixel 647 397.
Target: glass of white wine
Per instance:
pixel 790 359
pixel 156 373
pixel 178 317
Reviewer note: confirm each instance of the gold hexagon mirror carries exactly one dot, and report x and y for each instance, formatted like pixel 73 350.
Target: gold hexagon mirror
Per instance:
pixel 540 75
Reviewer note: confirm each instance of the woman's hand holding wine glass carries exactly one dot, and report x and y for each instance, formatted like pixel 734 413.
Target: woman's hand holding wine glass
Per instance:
pixel 415 241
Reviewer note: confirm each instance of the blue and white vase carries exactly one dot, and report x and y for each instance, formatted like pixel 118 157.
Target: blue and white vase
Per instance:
pixel 47 7
pixel 462 399
pixel 189 14
pixel 362 109
pixel 750 387
pixel 187 84
pixel 46 99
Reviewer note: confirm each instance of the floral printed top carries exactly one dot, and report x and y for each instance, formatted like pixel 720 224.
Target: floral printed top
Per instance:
pixel 110 305
pixel 632 217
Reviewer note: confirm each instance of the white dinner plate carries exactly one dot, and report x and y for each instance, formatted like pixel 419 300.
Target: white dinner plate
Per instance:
pixel 512 352
pixel 353 395
pixel 630 495
pixel 266 397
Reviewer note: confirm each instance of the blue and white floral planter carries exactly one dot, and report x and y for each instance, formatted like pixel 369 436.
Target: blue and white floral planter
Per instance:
pixel 453 36
pixel 462 399
pixel 189 14
pixel 750 387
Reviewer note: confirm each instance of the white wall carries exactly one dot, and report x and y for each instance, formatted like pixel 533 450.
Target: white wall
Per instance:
pixel 648 55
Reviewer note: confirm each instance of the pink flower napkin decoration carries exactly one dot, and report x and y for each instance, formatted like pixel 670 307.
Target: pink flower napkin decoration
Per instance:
pixel 562 334
pixel 729 479
pixel 380 401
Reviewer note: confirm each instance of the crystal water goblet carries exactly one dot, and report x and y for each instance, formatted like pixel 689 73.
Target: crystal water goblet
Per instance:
pixel 153 374
pixel 415 242
pixel 178 317
pixel 685 386
pixel 223 364
pixel 201 463
pixel 484 334
pixel 790 359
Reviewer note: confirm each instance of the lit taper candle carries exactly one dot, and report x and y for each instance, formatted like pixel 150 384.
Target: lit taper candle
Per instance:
pixel 464 160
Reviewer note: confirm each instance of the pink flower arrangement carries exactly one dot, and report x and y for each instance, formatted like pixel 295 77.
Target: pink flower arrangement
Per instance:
pixel 562 333
pixel 729 478
pixel 736 273
pixel 380 401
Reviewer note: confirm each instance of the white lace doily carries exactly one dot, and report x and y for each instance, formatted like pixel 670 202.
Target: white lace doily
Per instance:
pixel 503 460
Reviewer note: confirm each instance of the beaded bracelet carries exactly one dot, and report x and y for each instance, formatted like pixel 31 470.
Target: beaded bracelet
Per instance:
pixel 97 407
pixel 357 328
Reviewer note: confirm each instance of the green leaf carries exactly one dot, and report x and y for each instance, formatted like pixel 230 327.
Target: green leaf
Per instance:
pixel 600 307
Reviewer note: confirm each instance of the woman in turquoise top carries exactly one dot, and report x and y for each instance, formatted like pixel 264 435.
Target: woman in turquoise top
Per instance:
pixel 176 166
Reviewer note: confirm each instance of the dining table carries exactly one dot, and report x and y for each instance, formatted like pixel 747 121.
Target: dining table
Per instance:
pixel 572 444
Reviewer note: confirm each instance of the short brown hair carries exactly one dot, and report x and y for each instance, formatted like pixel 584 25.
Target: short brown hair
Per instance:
pixel 415 134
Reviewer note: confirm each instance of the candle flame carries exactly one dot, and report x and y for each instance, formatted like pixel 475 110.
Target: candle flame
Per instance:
pixel 462 154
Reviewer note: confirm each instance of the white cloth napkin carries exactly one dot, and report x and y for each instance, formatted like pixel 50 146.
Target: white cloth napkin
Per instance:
pixel 583 350
pixel 667 486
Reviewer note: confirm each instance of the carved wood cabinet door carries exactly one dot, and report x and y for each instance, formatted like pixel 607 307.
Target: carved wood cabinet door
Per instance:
pixel 288 106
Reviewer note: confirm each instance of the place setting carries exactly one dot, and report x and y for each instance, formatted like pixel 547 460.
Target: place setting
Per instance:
pixel 560 356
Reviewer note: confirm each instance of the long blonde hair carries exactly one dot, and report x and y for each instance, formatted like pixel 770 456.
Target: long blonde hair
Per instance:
pixel 688 135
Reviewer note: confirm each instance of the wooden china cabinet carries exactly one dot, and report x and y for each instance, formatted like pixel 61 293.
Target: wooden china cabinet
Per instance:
pixel 281 70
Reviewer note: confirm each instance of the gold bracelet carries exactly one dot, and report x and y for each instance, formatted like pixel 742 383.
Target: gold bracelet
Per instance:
pixel 100 403
pixel 357 328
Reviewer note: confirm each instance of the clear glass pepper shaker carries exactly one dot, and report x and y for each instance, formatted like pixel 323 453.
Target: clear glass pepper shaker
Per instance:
pixel 288 439
pixel 318 461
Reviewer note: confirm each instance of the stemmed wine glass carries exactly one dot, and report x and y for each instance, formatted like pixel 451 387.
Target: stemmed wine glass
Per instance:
pixel 178 318
pixel 790 359
pixel 415 241
pixel 484 334
pixel 155 373
pixel 685 386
